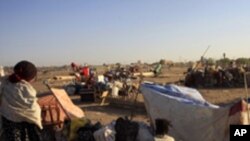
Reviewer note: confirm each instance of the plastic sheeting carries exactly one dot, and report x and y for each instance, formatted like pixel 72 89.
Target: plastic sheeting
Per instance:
pixel 192 118
pixel 179 93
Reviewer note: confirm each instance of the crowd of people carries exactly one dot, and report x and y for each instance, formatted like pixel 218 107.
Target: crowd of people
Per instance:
pixel 213 75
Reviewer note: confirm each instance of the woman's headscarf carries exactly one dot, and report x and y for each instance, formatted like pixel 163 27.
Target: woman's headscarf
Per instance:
pixel 23 70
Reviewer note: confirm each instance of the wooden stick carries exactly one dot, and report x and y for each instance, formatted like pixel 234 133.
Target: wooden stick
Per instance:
pixel 201 57
pixel 135 101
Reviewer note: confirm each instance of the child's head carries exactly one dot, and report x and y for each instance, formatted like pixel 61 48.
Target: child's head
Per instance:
pixel 23 70
pixel 162 126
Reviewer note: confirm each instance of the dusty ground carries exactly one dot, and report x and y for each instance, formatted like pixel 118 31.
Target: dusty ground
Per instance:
pixel 106 114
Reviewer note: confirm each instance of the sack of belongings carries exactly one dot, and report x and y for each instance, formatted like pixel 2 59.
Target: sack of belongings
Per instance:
pixel 79 130
pixel 86 133
pixel 109 133
pixel 126 130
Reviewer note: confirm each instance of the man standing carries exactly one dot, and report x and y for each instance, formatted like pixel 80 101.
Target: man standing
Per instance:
pixel 158 68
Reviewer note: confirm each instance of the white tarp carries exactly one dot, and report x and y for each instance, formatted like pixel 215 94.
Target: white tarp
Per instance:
pixel 192 118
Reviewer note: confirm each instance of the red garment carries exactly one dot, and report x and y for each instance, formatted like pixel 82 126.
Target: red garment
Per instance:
pixel 85 71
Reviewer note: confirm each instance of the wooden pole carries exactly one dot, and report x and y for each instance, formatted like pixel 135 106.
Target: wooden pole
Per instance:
pixel 136 96
pixel 201 57
pixel 206 51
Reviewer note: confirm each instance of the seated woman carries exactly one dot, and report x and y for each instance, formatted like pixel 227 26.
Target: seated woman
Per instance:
pixel 21 114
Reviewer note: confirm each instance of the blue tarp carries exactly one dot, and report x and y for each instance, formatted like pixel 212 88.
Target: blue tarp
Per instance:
pixel 180 93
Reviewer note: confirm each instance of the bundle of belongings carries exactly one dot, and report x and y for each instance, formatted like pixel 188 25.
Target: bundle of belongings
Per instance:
pixel 124 130
pixel 79 130
pixel 192 117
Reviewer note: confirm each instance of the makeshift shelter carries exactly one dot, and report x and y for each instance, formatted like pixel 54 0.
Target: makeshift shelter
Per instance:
pixel 191 116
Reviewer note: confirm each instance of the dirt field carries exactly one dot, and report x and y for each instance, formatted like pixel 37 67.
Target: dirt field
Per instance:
pixel 106 114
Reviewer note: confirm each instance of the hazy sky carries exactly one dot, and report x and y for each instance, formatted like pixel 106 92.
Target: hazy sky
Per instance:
pixel 57 32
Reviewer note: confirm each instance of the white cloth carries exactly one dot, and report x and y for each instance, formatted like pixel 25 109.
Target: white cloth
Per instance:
pixel 100 78
pixel 106 133
pixel 144 133
pixel 19 102
pixel 115 91
pixel 165 138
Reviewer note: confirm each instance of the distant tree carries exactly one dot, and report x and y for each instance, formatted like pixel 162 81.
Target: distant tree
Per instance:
pixel 210 61
pixel 162 61
pixel 242 61
pixel 223 62
pixel 118 65
pixel 190 63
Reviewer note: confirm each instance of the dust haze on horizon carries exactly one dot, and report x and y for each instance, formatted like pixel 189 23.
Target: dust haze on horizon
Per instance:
pixel 55 33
